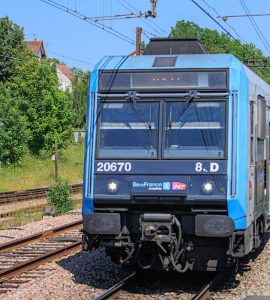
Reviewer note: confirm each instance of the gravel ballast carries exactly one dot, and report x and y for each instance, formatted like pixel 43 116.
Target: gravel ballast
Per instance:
pixel 47 223
pixel 83 275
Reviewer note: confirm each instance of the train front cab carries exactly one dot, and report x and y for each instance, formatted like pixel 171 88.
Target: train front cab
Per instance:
pixel 176 177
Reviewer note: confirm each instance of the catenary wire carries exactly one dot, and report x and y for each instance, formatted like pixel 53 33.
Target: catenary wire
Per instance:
pixel 256 27
pixel 244 16
pixel 25 60
pixel 221 26
pixel 230 26
pixel 55 53
pixel 156 25
pixel 97 24
pixel 153 25
pixel 71 58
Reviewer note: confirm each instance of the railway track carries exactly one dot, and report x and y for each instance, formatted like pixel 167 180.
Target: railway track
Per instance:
pixel 6 197
pixel 26 254
pixel 204 292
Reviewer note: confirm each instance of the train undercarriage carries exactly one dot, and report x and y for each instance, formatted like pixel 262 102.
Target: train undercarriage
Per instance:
pixel 164 241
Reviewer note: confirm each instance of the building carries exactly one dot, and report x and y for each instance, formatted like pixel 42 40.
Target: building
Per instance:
pixel 37 47
pixel 64 74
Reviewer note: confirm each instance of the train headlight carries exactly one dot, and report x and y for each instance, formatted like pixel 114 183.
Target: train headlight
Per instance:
pixel 208 187
pixel 112 186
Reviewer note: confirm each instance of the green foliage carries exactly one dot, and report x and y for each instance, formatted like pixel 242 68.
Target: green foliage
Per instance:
pixel 35 171
pixel 216 42
pixel 79 73
pixel 78 97
pixel 33 110
pixel 13 129
pixel 59 197
pixel 11 48
pixel 47 109
pixel 143 45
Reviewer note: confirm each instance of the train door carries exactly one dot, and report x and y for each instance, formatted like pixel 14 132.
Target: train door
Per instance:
pixel 252 158
pixel 268 162
pixel 260 157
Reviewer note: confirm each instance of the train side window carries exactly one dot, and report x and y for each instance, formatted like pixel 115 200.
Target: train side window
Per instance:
pixel 261 117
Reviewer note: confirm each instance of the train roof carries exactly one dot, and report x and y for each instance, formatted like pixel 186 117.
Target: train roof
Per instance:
pixel 185 61
pixel 172 46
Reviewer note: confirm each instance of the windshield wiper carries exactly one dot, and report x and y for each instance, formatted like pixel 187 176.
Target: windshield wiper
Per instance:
pixel 192 95
pixel 132 97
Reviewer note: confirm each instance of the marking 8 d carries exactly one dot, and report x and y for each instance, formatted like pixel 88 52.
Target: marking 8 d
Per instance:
pixel 213 167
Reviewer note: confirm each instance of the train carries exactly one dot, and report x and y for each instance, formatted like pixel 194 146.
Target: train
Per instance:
pixel 176 170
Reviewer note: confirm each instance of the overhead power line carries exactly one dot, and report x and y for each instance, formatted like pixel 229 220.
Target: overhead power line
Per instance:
pixel 226 23
pixel 70 58
pixel 118 17
pixel 256 27
pixel 225 18
pixel 213 19
pixel 159 30
pixel 221 26
pixel 21 59
pixel 92 22
pixel 259 63
pixel 52 52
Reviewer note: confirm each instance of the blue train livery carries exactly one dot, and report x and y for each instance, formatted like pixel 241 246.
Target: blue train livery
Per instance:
pixel 177 158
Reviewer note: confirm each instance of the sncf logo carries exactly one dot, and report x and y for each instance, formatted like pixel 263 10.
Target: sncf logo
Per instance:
pixel 179 186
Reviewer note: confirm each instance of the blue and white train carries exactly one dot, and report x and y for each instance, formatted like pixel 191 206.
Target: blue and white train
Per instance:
pixel 177 158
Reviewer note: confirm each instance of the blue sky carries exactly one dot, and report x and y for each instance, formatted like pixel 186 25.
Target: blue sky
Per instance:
pixel 71 37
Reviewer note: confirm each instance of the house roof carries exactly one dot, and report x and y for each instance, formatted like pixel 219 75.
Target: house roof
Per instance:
pixel 65 70
pixel 36 46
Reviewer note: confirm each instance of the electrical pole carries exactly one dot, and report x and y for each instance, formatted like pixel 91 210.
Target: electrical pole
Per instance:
pixel 154 5
pixel 56 160
pixel 152 13
pixel 138 40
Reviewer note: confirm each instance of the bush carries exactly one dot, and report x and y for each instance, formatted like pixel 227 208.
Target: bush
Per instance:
pixel 59 197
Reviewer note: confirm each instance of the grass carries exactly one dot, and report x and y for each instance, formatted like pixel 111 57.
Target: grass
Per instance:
pixel 21 217
pixel 27 215
pixel 39 172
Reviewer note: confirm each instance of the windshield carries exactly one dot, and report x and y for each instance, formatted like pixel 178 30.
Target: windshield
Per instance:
pixel 194 129
pixel 128 130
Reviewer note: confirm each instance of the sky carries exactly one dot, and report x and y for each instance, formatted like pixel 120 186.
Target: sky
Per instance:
pixel 80 44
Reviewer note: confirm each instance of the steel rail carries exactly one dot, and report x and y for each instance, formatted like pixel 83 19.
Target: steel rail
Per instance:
pixel 204 292
pixel 111 292
pixel 31 264
pixel 61 245
pixel 8 246
pixel 6 197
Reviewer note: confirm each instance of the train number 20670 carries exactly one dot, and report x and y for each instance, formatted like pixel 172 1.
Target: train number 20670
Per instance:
pixel 114 167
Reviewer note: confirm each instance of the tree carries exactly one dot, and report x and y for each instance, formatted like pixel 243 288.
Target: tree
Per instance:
pixel 13 129
pixel 79 73
pixel 216 42
pixel 46 107
pixel 12 48
pixel 78 97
